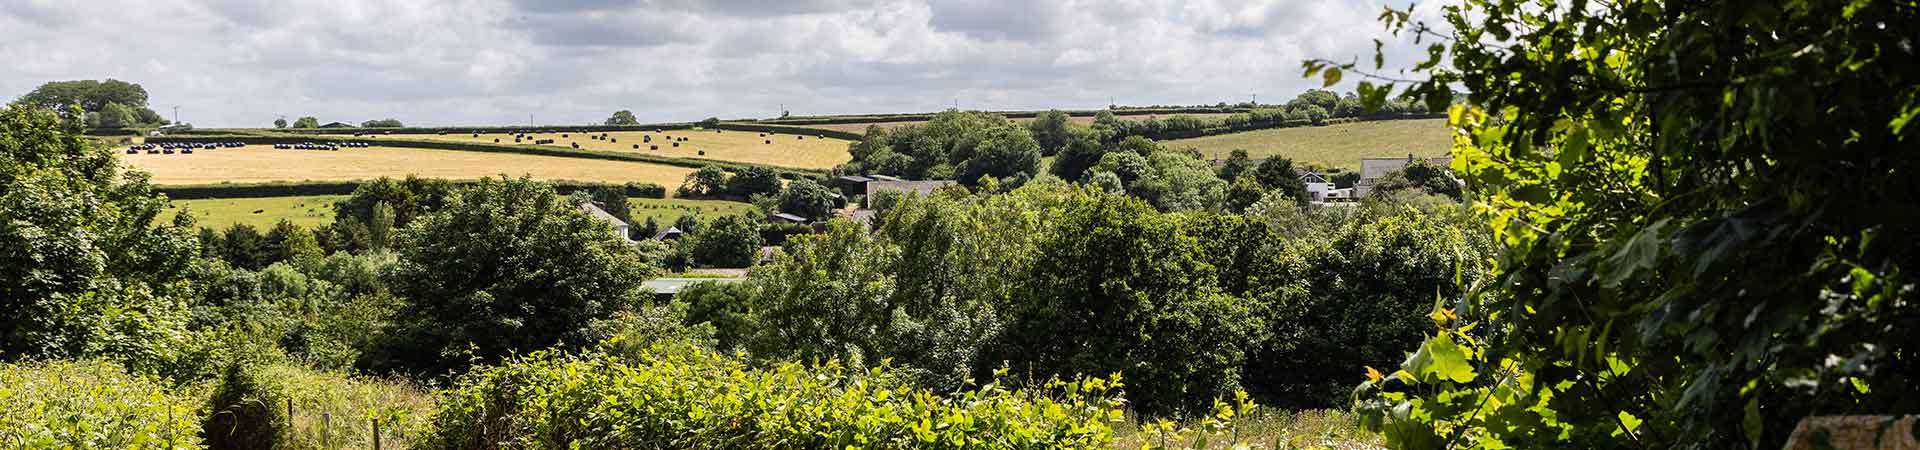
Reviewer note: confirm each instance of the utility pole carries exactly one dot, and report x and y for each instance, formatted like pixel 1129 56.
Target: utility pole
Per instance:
pixel 176 114
pixel 1256 99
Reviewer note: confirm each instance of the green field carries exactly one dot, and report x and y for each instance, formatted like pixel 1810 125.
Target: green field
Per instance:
pixel 666 210
pixel 1341 145
pixel 313 210
pixel 220 213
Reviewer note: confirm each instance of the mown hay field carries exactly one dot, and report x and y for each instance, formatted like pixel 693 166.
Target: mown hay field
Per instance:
pixel 773 149
pixel 1341 145
pixel 263 163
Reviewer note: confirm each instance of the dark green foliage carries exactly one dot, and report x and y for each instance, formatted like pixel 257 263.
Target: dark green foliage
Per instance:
pixel 85 269
pixel 722 306
pixel 613 200
pixel 622 117
pixel 121 104
pixel 1080 152
pixel 953 145
pixel 382 123
pixel 1277 174
pixel 243 247
pixel 1052 130
pixel 710 180
pixel 1345 180
pixel 306 122
pixel 1236 164
pixel 806 198
pixel 409 198
pixel 1421 176
pixel 504 266
pixel 730 241
pixel 748 181
pixel 1707 221
pixel 709 122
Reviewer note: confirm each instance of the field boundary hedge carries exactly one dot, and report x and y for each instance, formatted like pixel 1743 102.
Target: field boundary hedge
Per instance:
pixel 695 163
pixel 487 129
pixel 910 117
pixel 305 188
pixel 789 129
pixel 1167 135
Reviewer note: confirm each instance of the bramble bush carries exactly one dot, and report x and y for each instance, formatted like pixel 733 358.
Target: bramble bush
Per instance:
pixel 680 398
pixel 92 404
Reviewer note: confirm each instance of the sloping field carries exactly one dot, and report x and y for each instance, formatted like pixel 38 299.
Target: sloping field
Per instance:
pixel 262 163
pixel 313 210
pixel 1341 145
pixel 262 213
pixel 1083 120
pixel 774 149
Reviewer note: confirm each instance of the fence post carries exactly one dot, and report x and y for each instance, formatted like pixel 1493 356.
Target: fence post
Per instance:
pixel 289 413
pixel 326 430
pixel 376 433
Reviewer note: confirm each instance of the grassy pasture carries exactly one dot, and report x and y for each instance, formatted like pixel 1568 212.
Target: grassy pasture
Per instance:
pixel 1341 145
pixel 262 163
pixel 220 213
pixel 1083 120
pixel 785 150
pixel 314 210
pixel 666 210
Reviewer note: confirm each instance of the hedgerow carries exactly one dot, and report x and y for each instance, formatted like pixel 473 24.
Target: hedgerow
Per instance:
pixel 91 404
pixel 681 398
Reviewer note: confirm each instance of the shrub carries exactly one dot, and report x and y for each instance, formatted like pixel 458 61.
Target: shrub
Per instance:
pixel 249 410
pixel 91 404
pixel 684 398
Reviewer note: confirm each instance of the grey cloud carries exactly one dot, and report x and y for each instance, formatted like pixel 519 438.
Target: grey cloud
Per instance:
pixel 444 62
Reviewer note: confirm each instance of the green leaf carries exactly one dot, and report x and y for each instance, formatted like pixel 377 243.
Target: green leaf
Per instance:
pixel 1440 357
pixel 1332 76
pixel 1753 423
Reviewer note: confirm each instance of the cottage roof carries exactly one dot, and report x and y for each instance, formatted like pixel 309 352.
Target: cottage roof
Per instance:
pixel 601 214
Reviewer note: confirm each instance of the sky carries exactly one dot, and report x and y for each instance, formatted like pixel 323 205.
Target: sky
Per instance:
pixel 232 63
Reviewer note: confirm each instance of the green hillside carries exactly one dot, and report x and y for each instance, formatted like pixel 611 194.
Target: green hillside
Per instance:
pixel 1339 145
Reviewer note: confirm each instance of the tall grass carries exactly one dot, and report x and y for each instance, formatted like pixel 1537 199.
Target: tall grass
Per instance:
pixel 91 404
pixel 250 410
pixel 1261 429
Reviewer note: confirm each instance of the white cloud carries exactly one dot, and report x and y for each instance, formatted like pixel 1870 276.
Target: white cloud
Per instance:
pixel 444 62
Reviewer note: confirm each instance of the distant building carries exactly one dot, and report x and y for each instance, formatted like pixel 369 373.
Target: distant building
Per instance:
pixel 914 187
pixel 1372 169
pixel 669 234
pixel 850 185
pixel 786 218
pixel 620 227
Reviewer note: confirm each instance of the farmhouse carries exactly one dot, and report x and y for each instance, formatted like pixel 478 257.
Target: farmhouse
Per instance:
pixel 1321 191
pixel 620 227
pixel 1372 169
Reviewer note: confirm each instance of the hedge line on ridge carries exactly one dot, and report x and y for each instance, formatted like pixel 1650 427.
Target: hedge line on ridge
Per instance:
pixel 731 166
pixel 909 117
pixel 303 188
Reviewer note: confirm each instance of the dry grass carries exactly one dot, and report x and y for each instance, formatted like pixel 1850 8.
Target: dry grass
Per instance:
pixel 785 150
pixel 1275 429
pixel 262 163
pixel 1341 145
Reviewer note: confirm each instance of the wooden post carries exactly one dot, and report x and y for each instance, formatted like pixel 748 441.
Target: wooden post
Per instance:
pixel 289 412
pixel 376 433
pixel 326 430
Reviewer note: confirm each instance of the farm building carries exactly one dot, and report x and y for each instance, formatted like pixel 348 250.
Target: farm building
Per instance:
pixel 1320 190
pixel 786 218
pixel 620 227
pixel 916 187
pixel 669 234
pixel 1371 169
pixel 850 184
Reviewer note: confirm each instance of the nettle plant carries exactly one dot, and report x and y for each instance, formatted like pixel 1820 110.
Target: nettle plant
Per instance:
pixel 1705 213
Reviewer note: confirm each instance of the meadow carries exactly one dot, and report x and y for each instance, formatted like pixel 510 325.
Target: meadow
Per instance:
pixel 262 163
pixel 1083 120
pixel 314 210
pixel 774 149
pixel 1340 145
pixel 262 213
pixel 665 210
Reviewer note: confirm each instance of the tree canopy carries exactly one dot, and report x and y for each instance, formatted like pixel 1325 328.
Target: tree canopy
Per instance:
pixel 1705 218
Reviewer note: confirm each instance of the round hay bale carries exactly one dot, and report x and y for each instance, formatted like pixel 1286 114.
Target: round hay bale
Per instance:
pixel 676 144
pixel 769 141
pixel 497 140
pixel 653 147
pixel 703 153
pixel 636 146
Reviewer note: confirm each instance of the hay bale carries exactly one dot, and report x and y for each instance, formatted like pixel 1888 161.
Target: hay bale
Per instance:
pixel 636 146
pixel 703 153
pixel 653 147
pixel 769 141
pixel 676 144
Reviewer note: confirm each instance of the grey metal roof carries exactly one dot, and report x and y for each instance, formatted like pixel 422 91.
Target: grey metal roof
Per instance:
pixel 603 215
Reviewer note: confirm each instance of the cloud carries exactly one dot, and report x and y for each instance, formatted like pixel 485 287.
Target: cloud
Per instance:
pixel 448 62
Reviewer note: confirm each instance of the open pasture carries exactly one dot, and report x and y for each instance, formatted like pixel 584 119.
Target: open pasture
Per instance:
pixel 262 163
pixel 262 213
pixel 1083 120
pixel 774 149
pixel 666 210
pixel 1340 145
